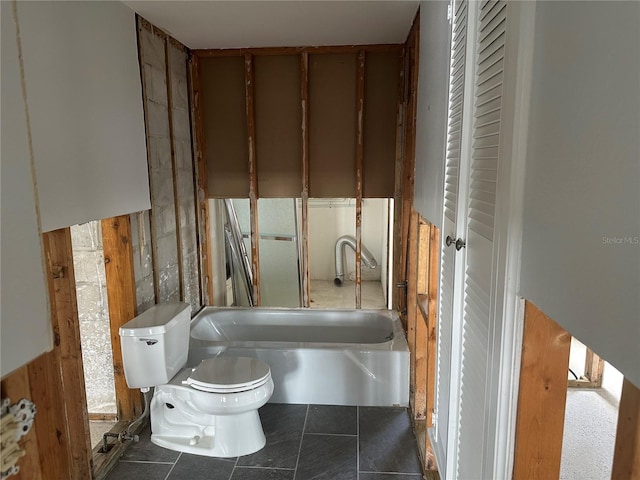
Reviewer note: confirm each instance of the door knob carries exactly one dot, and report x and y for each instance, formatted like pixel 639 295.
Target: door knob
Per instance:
pixel 459 243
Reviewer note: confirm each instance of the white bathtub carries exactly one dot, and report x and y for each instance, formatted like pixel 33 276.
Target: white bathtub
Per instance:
pixel 331 357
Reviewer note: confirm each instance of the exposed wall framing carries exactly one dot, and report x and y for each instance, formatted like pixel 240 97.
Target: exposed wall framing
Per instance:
pixel 593 370
pixel 58 445
pixel 201 182
pixel 542 396
pixel 422 294
pixel 304 100
pixel 253 175
pixel 359 173
pixel 172 177
pixel 405 166
pixel 121 293
pixel 626 455
pixel 246 140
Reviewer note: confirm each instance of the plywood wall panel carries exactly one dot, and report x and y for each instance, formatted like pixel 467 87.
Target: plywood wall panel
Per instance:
pixel 278 122
pixel 332 125
pixel 225 126
pixel 382 81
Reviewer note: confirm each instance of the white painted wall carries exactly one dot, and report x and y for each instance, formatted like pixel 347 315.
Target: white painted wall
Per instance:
pixel 24 316
pixel 581 252
pixel 85 100
pixel 329 220
pixel 432 109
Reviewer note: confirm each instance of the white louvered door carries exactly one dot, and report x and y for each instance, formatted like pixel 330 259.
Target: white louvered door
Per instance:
pixel 449 259
pixel 464 431
pixel 474 427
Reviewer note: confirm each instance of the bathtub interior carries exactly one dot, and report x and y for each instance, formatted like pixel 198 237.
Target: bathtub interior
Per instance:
pixel 309 364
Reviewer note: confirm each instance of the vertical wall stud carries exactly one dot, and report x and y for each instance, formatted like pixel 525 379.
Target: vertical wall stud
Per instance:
pixel 253 176
pixel 202 194
pixel 304 254
pixel 542 397
pixel 174 166
pixel 121 293
pixel 359 186
pixel 412 314
pixel 626 455
pixel 67 348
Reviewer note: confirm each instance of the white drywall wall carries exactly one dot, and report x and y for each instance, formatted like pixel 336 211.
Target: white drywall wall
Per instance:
pixel 84 96
pixel 581 247
pixel 432 109
pixel 24 318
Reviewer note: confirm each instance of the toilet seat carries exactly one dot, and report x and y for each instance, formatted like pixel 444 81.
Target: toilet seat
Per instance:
pixel 229 375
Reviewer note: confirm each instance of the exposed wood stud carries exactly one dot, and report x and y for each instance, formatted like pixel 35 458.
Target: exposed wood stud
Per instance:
pixel 626 454
pixel 408 167
pixel 359 186
pixel 412 314
pixel 121 295
pixel 202 195
pixel 67 349
pixel 593 370
pixel 174 166
pixel 432 322
pixel 253 176
pixel 304 254
pixel 51 431
pixel 297 50
pixel 541 397
pixel 145 25
pixel 421 230
pixel 398 293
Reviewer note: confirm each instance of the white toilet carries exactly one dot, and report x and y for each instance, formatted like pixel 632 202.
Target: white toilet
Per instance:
pixel 208 410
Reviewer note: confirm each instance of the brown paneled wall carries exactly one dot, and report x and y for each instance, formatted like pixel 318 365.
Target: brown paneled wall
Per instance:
pixel 332 120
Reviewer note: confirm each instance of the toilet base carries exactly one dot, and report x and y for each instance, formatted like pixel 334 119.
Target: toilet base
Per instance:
pixel 180 428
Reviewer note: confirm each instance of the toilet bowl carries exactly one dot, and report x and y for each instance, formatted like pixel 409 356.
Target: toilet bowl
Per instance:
pixel 211 409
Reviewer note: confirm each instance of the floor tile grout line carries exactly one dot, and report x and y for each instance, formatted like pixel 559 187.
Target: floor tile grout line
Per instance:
pixel 418 475
pixel 304 425
pixel 233 470
pixel 332 434
pixel 358 442
pixel 173 466
pixel 146 461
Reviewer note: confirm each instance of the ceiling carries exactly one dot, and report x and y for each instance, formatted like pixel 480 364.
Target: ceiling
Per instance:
pixel 239 23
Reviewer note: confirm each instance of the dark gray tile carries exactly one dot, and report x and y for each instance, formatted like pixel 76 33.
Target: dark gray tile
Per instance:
pixel 332 419
pixel 282 426
pixel 145 451
pixel 281 417
pixel 390 476
pixel 139 471
pixel 197 467
pixel 249 473
pixel 387 443
pixel 328 457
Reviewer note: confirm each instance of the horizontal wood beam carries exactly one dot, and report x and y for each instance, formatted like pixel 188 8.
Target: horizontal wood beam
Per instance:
pixel 238 52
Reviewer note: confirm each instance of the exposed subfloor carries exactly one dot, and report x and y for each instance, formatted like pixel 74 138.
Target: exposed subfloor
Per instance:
pixel 304 442
pixel 324 294
pixel 590 423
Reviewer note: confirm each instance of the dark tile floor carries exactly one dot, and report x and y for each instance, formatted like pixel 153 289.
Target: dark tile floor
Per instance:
pixel 304 442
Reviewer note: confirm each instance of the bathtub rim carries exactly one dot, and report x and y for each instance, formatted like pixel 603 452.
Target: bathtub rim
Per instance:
pixel 397 343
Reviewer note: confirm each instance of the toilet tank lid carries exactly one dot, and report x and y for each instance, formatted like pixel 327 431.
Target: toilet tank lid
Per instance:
pixel 156 320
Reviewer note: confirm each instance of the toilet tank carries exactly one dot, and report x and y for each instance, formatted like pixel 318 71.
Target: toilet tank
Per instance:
pixel 155 344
